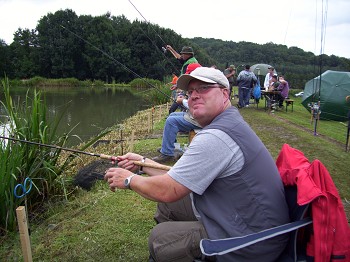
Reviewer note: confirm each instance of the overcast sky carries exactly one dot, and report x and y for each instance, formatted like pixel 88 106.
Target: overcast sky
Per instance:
pixel 312 25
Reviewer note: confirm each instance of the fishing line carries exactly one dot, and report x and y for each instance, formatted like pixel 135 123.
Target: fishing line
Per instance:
pixel 147 21
pixel 157 34
pixel 119 63
pixel 164 50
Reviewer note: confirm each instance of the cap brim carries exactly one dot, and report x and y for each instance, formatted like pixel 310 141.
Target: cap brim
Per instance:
pixel 184 80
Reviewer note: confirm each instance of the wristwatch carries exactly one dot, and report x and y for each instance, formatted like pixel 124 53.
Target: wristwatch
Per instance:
pixel 127 181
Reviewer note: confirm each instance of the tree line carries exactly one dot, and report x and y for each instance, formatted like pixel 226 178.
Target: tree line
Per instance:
pixel 113 49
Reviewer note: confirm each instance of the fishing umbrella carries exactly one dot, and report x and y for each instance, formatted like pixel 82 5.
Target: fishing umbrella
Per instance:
pixel 260 69
pixel 330 89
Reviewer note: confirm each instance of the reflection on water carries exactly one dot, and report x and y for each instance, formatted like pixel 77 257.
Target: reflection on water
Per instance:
pixel 5 130
pixel 91 109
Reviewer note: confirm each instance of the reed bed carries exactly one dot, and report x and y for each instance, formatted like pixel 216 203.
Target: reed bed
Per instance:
pixel 28 121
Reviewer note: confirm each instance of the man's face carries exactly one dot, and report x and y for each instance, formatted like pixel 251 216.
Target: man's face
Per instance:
pixel 208 102
pixel 186 56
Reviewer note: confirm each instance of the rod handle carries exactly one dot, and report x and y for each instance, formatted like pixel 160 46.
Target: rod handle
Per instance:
pixel 139 163
pixel 108 157
pixel 152 165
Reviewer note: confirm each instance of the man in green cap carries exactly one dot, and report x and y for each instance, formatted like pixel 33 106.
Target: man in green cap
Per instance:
pixel 185 57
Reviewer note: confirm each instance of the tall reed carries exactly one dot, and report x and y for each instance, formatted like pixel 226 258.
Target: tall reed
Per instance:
pixel 154 90
pixel 28 121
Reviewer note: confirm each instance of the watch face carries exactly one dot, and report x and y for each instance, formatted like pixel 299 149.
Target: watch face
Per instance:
pixel 126 182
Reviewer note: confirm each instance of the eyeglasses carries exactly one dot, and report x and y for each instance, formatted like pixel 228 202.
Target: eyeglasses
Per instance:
pixel 202 89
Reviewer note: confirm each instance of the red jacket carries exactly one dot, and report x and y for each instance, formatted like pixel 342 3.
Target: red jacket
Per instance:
pixel 331 238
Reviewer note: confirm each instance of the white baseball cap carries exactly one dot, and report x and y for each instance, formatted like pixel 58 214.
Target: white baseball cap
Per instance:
pixel 205 74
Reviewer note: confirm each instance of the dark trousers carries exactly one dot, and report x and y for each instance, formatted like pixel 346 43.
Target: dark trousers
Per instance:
pixel 174 107
pixel 177 235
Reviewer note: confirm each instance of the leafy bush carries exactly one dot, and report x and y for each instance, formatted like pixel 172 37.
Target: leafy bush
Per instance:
pixel 62 82
pixel 157 92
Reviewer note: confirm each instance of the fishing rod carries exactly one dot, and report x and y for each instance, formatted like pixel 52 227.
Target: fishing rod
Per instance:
pixel 102 156
pixel 118 62
pixel 316 109
pixel 121 64
pixel 164 50
pixel 147 21
pixel 347 138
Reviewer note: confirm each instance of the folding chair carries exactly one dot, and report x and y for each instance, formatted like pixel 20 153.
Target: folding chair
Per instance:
pixel 299 216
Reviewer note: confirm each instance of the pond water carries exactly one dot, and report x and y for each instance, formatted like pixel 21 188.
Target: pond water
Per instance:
pixel 91 110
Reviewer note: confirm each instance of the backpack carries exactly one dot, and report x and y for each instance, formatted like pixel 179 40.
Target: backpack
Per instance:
pixel 257 90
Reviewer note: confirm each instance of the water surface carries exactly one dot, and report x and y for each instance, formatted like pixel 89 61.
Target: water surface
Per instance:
pixel 91 110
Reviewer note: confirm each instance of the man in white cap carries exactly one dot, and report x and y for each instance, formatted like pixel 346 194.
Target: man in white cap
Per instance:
pixel 218 188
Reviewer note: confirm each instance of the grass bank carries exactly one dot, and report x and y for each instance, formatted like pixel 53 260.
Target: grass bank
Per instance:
pixel 100 225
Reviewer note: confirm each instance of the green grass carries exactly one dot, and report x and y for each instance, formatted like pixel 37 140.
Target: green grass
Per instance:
pixel 100 225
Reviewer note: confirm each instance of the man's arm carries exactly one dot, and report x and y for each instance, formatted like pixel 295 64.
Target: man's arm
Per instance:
pixel 175 54
pixel 230 74
pixel 160 188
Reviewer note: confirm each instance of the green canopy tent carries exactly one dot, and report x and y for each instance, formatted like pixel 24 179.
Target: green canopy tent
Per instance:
pixel 335 86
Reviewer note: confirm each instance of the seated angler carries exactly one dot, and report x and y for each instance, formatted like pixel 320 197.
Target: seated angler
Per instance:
pixel 217 189
pixel 175 123
pixel 284 88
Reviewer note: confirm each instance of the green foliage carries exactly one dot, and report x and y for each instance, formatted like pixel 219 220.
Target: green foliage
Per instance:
pixel 63 82
pixel 297 65
pixel 142 83
pixel 113 49
pixel 156 91
pixel 28 122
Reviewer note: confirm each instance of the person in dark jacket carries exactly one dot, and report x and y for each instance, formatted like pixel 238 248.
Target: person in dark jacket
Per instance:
pixel 217 189
pixel 245 81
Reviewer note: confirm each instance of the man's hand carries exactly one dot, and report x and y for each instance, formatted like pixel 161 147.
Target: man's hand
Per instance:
pixel 127 161
pixel 116 177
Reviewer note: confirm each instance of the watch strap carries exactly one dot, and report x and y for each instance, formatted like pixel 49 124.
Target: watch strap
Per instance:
pixel 128 181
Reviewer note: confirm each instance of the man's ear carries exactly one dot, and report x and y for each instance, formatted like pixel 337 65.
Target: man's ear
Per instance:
pixel 226 93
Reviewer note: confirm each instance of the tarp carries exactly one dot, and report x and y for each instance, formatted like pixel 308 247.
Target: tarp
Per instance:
pixel 331 88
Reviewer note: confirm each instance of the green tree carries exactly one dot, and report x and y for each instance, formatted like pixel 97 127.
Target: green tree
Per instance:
pixel 59 48
pixel 24 53
pixel 5 60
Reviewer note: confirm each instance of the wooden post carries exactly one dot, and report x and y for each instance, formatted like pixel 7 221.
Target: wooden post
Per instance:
pixel 149 122
pixel 122 143
pixel 132 141
pixel 152 118
pixel 160 112
pixel 24 235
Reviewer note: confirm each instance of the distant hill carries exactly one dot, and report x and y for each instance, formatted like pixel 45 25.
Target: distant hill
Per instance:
pixel 297 65
pixel 113 49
